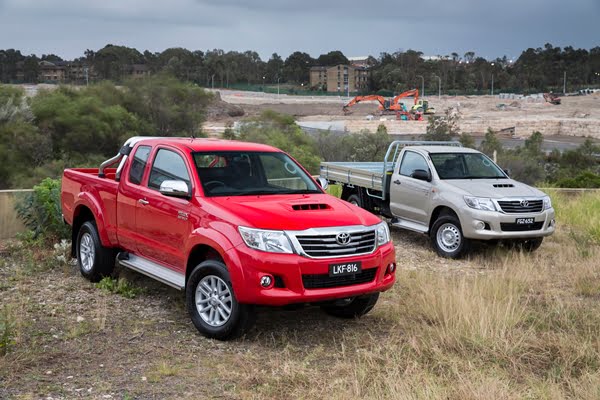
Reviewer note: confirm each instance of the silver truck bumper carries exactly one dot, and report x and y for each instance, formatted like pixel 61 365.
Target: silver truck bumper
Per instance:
pixel 488 225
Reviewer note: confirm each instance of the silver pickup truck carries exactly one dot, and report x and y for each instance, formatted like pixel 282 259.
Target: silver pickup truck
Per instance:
pixel 452 193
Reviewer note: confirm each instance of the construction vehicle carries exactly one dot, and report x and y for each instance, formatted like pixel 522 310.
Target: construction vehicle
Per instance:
pixel 552 98
pixel 394 105
pixel 423 106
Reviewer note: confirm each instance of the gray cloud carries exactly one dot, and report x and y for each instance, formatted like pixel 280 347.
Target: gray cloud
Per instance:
pixel 490 28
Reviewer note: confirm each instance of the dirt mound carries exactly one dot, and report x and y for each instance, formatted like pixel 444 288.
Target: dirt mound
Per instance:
pixel 221 109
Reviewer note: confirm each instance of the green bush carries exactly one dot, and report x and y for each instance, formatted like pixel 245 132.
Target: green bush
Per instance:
pixel 119 286
pixel 7 330
pixel 40 211
pixel 585 179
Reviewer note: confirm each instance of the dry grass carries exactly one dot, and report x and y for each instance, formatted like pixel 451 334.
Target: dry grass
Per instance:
pixel 500 325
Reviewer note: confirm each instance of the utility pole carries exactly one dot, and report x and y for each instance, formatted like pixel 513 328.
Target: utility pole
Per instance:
pixel 87 77
pixel 278 86
pixel 212 78
pixel 422 85
pixel 439 86
pixel 565 83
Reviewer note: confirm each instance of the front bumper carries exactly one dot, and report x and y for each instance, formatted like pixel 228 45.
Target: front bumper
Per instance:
pixel 497 225
pixel 287 271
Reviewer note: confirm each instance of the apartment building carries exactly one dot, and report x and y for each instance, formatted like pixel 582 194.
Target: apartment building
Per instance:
pixel 339 78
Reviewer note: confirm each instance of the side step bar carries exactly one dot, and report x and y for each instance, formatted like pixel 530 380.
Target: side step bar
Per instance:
pixel 153 270
pixel 411 226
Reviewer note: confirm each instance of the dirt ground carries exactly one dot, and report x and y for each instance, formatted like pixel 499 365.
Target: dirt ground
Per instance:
pixel 577 115
pixel 78 341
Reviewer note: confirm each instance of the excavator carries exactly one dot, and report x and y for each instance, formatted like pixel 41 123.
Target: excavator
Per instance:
pixel 393 105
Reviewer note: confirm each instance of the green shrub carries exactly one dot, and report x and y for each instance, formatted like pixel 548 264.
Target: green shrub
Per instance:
pixel 585 179
pixel 7 330
pixel 40 211
pixel 119 286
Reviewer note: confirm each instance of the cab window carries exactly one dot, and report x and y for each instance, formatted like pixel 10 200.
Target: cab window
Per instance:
pixel 167 165
pixel 138 164
pixel 412 161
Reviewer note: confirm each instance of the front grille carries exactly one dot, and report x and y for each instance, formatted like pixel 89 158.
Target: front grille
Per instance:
pixel 320 281
pixel 521 206
pixel 326 245
pixel 512 227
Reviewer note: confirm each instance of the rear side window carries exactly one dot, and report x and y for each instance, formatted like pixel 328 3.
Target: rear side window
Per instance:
pixel 168 165
pixel 138 164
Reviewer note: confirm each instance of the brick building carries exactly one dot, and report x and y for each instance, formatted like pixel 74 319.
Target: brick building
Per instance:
pixel 339 78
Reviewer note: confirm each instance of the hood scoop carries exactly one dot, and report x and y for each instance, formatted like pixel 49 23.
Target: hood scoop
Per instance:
pixel 503 185
pixel 308 206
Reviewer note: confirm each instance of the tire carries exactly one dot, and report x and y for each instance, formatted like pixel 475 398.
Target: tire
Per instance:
pixel 355 199
pixel 353 308
pixel 447 237
pixel 94 260
pixel 528 245
pixel 212 305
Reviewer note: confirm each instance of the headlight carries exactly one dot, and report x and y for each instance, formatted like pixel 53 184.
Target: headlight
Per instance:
pixel 269 241
pixel 547 203
pixel 383 233
pixel 480 203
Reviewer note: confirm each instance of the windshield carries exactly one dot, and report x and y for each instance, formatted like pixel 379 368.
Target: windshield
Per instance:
pixel 465 166
pixel 235 173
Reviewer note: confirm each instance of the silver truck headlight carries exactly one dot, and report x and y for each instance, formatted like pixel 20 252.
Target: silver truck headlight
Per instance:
pixel 547 203
pixel 480 203
pixel 383 233
pixel 269 241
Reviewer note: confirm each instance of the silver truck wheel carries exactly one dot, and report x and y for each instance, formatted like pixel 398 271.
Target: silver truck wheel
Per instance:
pixel 87 252
pixel 447 238
pixel 213 300
pixel 212 304
pixel 94 260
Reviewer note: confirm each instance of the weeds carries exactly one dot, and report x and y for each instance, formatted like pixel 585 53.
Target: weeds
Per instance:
pixel 120 286
pixel 7 329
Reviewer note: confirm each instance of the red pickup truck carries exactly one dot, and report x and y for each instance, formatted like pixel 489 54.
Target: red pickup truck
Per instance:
pixel 233 224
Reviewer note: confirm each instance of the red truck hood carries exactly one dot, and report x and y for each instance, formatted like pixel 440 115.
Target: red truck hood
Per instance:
pixel 292 212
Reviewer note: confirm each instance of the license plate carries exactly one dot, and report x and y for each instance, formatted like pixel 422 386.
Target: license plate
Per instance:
pixel 525 221
pixel 345 269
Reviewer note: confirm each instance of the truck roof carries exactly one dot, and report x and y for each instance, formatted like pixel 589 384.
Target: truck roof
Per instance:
pixel 202 144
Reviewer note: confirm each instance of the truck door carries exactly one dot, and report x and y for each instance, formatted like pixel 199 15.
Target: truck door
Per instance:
pixel 162 221
pixel 128 196
pixel 410 198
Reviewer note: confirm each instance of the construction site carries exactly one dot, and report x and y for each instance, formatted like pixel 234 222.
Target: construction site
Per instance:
pixel 517 116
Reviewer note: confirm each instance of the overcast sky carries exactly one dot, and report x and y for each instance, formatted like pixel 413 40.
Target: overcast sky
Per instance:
pixel 490 28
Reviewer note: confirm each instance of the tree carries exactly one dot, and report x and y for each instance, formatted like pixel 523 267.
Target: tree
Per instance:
pixel 281 131
pixel 490 144
pixel 332 58
pixel 169 107
pixel 296 67
pixel 443 128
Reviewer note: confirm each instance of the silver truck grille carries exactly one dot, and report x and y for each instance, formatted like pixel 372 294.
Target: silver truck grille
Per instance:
pixel 328 245
pixel 521 206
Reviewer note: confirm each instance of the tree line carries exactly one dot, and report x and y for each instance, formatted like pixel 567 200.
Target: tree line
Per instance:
pixel 541 69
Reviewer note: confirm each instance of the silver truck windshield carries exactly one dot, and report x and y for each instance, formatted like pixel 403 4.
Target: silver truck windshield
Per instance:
pixel 235 173
pixel 465 166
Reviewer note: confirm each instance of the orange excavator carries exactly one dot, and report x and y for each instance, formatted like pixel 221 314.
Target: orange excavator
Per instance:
pixel 385 105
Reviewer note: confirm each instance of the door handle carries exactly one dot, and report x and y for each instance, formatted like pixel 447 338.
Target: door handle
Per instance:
pixel 397 181
pixel 143 202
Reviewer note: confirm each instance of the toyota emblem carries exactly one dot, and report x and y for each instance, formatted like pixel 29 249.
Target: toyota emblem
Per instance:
pixel 524 203
pixel 343 238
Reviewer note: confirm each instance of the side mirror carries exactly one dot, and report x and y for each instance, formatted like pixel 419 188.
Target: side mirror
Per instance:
pixel 507 172
pixel 421 175
pixel 175 189
pixel 322 182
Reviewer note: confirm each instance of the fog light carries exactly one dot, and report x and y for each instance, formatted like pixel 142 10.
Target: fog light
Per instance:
pixel 479 225
pixel 552 223
pixel 266 281
pixel 391 268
